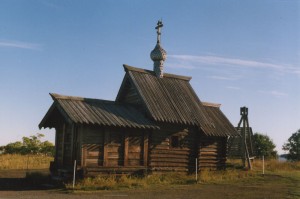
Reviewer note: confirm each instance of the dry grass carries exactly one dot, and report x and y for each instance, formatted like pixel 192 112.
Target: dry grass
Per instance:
pixel 113 182
pixel 276 166
pixel 230 175
pixel 15 161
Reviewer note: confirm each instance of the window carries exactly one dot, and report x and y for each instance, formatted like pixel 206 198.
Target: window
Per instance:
pixel 175 142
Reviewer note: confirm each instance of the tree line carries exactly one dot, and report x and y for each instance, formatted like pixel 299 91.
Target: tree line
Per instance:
pixel 262 144
pixel 29 145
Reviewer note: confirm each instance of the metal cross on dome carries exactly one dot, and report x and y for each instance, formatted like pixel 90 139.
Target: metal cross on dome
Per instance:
pixel 158 27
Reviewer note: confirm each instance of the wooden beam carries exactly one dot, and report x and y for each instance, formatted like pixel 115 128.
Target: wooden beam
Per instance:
pixel 146 146
pixel 63 143
pixel 126 145
pixel 72 142
pixel 80 133
pixel 105 148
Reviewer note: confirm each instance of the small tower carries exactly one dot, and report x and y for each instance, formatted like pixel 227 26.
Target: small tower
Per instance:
pixel 241 146
pixel 158 54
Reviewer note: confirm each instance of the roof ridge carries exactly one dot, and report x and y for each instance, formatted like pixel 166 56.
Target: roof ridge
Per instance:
pixel 211 104
pixel 168 75
pixel 68 97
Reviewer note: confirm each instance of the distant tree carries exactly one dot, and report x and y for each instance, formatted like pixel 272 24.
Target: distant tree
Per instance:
pixel 293 147
pixel 30 145
pixel 264 146
pixel 15 147
pixel 47 148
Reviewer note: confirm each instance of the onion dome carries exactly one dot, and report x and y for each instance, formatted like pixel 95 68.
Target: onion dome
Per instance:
pixel 158 54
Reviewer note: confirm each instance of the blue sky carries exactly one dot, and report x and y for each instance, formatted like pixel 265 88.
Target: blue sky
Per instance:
pixel 239 53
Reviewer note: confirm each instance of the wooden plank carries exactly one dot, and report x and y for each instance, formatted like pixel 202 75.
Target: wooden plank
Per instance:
pixel 126 144
pixel 160 147
pixel 62 142
pixel 134 149
pixel 133 162
pixel 134 156
pixel 172 160
pixel 168 164
pixel 145 147
pixel 105 151
pixel 169 155
pixel 112 149
pixel 183 152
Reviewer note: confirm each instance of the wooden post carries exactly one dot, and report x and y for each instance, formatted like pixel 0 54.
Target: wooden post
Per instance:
pixel 72 142
pixel 146 146
pixel 63 144
pixel 105 152
pixel 74 173
pixel 196 170
pixel 126 145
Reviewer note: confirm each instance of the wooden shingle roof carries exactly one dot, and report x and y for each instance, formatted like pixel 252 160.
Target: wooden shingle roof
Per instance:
pixel 96 112
pixel 222 124
pixel 171 99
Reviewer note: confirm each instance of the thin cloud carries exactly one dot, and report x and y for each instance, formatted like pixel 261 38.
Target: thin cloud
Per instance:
pixel 217 60
pixel 223 78
pixel 274 93
pixel 18 44
pixel 233 87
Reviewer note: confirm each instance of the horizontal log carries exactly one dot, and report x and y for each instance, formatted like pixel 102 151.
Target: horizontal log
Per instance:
pixel 168 155
pixel 113 156
pixel 92 164
pixel 212 158
pixel 208 146
pixel 211 161
pixel 111 162
pixel 168 164
pixel 132 149
pixel 93 153
pixel 171 160
pixel 158 151
pixel 134 162
pixel 179 169
pixel 112 149
pixel 163 147
pixel 134 155
pixel 92 160
pixel 203 153
pixel 92 157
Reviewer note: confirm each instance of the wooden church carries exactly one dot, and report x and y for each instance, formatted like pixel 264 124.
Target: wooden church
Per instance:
pixel 156 123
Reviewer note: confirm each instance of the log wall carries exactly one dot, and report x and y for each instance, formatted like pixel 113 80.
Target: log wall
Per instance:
pixel 113 147
pixel 212 152
pixel 92 146
pixel 165 157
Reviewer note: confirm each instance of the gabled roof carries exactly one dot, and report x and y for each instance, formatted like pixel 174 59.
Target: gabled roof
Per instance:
pixel 97 112
pixel 221 123
pixel 170 99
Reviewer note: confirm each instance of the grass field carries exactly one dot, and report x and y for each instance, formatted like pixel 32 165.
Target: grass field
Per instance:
pixel 16 161
pixel 287 170
pixel 281 180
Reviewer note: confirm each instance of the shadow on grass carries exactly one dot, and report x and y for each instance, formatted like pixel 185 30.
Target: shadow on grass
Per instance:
pixel 22 180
